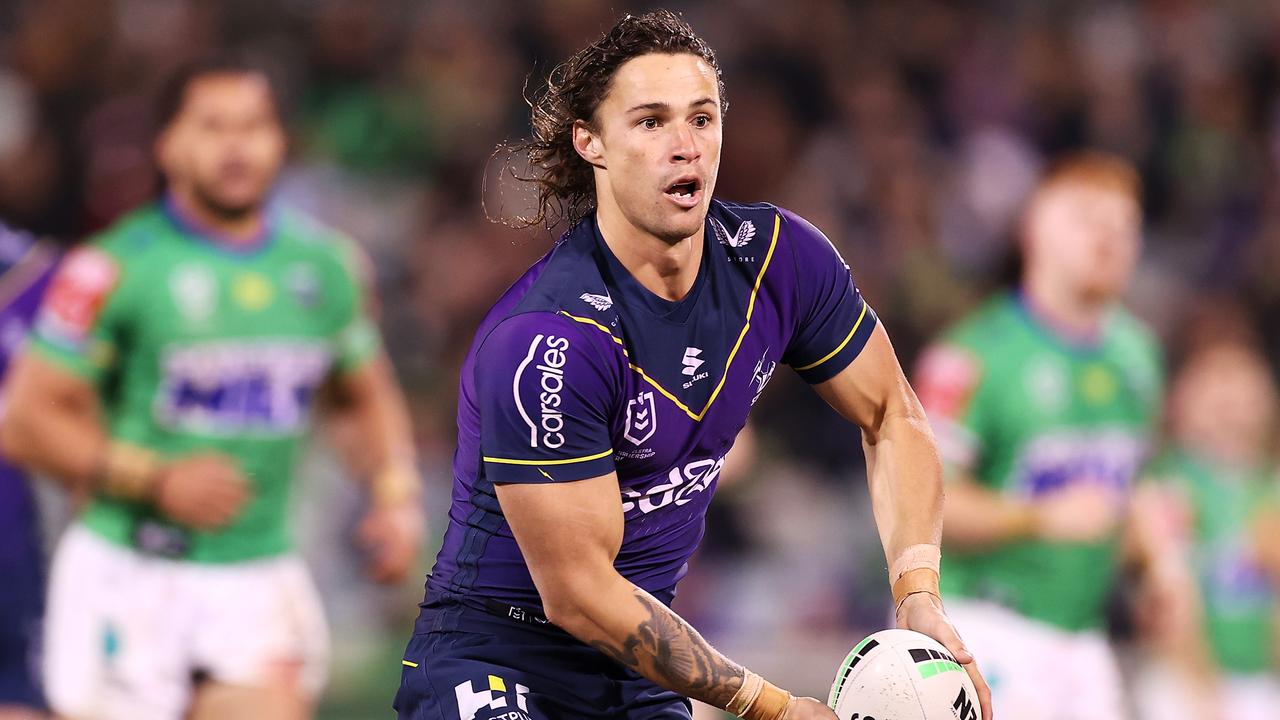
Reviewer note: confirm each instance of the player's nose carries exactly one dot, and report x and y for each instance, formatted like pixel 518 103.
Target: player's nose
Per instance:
pixel 684 145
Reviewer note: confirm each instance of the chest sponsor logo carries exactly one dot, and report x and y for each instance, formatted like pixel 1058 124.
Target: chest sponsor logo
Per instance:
pixel 1106 456
pixel 547 355
pixel 682 486
pixel 642 418
pixel 599 302
pixel 1046 382
pixel 761 375
pixel 194 291
pixel 746 231
pixel 234 388
pixel 692 362
pixel 499 701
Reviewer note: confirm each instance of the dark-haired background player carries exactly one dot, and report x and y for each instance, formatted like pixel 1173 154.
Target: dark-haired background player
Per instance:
pixel 173 371
pixel 603 391
pixel 25 269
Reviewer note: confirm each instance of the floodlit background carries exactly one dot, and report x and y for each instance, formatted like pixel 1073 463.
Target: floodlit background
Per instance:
pixel 909 130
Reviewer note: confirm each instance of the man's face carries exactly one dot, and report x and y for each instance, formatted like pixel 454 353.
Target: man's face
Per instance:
pixel 1087 235
pixel 658 134
pixel 225 145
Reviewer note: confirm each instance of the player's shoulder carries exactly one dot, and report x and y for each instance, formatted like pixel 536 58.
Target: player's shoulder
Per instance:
pixel 308 234
pixel 137 232
pixel 1129 333
pixel 989 325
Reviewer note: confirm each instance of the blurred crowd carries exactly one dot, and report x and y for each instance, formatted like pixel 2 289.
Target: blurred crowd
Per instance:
pixel 910 131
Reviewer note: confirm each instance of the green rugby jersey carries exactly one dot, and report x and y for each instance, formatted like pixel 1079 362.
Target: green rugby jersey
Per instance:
pixel 195 344
pixel 1025 412
pixel 1238 596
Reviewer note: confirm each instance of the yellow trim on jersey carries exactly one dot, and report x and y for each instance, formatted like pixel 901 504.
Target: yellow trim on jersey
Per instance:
pixel 839 347
pixel 406 663
pixel 568 461
pixel 751 306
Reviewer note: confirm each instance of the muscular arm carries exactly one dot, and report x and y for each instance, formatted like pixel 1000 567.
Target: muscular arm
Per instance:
pixel 903 468
pixel 905 477
pixel 570 534
pixel 977 517
pixel 370 420
pixel 52 422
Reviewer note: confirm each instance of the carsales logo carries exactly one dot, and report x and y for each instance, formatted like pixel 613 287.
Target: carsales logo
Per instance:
pixel 548 352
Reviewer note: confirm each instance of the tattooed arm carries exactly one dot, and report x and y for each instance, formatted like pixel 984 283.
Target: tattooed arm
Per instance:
pixel 570 534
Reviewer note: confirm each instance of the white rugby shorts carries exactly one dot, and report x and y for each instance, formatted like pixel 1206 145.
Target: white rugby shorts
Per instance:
pixel 125 633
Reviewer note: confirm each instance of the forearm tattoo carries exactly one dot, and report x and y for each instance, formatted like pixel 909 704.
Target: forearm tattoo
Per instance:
pixel 669 651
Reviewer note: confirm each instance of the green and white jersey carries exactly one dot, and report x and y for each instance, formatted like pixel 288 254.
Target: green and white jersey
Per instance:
pixel 1025 412
pixel 197 345
pixel 1239 599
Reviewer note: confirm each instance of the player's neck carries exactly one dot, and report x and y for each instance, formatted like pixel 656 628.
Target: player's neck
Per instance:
pixel 1067 313
pixel 665 269
pixel 243 229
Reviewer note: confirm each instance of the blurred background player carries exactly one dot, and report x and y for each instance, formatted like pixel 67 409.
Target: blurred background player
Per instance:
pixel 25 269
pixel 1043 401
pixel 173 370
pixel 1214 501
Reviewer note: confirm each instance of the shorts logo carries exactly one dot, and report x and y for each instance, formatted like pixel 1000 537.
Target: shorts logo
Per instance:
pixel 548 430
pixel 680 488
pixel 642 418
pixel 497 697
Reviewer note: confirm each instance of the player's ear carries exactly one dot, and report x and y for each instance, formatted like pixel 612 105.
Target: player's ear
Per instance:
pixel 587 143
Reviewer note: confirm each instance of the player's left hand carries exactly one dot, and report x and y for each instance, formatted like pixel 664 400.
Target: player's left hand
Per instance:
pixel 923 613
pixel 392 536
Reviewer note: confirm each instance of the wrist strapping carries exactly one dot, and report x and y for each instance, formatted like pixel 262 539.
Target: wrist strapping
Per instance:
pixel 920 580
pixel 128 471
pixel 757 699
pixel 915 557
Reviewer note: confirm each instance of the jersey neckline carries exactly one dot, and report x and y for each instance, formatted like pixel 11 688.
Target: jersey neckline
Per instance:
pixel 191 228
pixel 675 311
pixel 1039 323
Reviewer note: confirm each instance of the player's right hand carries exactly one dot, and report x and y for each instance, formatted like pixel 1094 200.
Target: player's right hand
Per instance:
pixel 203 491
pixel 808 709
pixel 1080 512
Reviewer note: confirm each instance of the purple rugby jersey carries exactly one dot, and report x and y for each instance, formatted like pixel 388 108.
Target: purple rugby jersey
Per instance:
pixel 579 371
pixel 25 271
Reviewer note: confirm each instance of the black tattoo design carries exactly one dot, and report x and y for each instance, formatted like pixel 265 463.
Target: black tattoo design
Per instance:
pixel 669 651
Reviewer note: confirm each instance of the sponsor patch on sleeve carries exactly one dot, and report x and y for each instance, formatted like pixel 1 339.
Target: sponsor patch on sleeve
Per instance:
pixel 76 298
pixel 946 378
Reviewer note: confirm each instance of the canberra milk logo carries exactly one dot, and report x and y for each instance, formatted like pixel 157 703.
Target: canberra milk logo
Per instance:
pixel 746 231
pixel 691 364
pixel 599 302
pixel 550 357
pixel 497 697
pixel 642 418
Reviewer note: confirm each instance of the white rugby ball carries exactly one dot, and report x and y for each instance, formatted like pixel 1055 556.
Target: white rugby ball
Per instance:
pixel 902 675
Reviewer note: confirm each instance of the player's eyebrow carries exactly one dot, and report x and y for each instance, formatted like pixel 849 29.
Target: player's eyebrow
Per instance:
pixel 666 107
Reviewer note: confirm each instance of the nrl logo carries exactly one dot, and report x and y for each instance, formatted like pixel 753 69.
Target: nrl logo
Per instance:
pixel 642 418
pixel 599 302
pixel 746 231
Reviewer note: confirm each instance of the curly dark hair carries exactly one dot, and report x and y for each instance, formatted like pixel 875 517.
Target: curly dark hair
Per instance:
pixel 573 91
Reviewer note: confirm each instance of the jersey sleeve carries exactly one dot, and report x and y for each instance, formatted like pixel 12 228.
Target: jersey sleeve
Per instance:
pixel 357 338
pixel 947 380
pixel 545 396
pixel 82 318
pixel 834 322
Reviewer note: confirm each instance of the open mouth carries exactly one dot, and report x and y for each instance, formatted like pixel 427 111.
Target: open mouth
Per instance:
pixel 685 192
